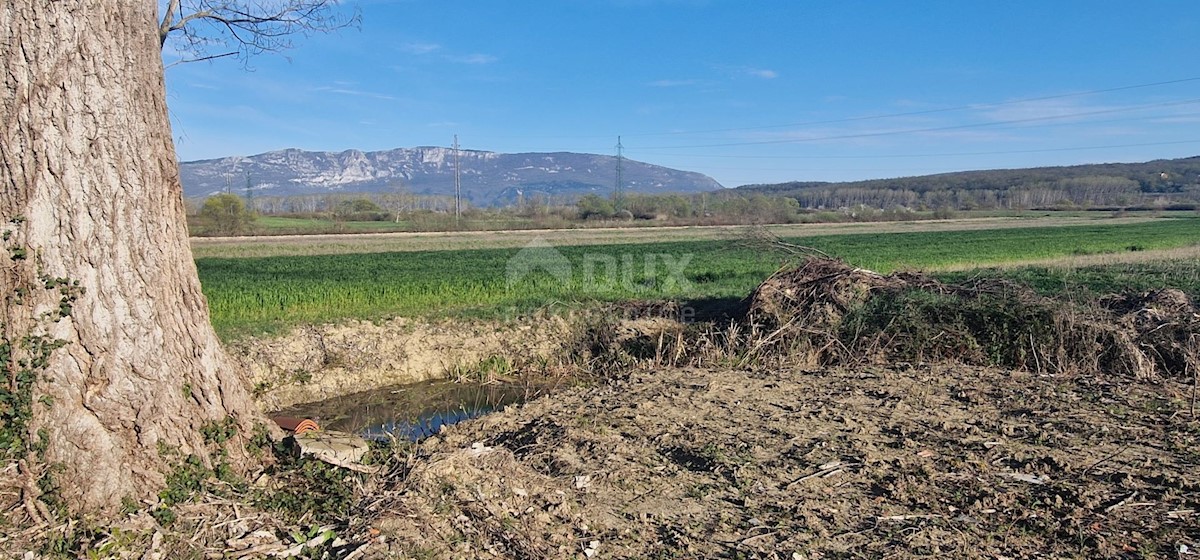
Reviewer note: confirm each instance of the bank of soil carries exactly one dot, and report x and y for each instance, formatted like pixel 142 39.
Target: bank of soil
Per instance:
pixel 901 461
pixel 320 362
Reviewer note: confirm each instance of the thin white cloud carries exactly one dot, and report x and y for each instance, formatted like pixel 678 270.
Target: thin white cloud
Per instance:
pixel 420 48
pixel 762 73
pixel 1042 109
pixel 738 71
pixel 476 58
pixel 1178 119
pixel 912 104
pixel 672 83
pixel 356 92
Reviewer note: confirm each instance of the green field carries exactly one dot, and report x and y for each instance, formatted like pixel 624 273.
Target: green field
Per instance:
pixel 275 225
pixel 283 225
pixel 268 225
pixel 1086 283
pixel 279 225
pixel 265 294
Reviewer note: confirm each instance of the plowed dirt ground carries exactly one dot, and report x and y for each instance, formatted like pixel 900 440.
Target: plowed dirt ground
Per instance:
pixel 897 462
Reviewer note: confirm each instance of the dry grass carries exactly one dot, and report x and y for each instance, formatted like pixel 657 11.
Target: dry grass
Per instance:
pixel 443 241
pixel 1080 261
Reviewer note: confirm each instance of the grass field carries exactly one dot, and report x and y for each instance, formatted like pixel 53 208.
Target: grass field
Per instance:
pixel 389 242
pixel 279 225
pixel 265 294
pixel 286 225
pixel 1085 283
pixel 269 226
pixel 276 224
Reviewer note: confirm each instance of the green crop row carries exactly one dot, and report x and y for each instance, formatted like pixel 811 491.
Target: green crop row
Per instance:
pixel 1088 283
pixel 253 295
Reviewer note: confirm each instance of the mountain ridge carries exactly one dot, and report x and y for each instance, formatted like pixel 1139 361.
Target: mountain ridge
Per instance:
pixel 487 178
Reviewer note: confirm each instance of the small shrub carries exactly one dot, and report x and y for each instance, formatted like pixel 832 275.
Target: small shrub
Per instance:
pixel 219 431
pixel 184 481
pixel 309 487
pixel 914 324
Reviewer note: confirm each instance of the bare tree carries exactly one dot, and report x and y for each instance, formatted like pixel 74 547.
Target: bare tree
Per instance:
pixel 208 29
pixel 395 200
pixel 109 364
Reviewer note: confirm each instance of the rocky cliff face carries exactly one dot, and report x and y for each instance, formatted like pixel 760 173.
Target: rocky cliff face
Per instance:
pixel 487 178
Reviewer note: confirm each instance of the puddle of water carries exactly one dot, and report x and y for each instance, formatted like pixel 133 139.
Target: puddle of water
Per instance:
pixel 411 411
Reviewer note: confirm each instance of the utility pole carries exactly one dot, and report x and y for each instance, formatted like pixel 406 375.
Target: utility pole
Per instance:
pixel 249 193
pixel 457 184
pixel 617 190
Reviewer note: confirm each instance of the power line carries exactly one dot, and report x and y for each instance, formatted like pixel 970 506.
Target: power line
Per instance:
pixel 948 154
pixel 986 105
pixel 659 149
pixel 928 155
pixel 918 130
pixel 926 111
pixel 1046 125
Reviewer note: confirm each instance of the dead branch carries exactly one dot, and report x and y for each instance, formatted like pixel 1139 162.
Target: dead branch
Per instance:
pixel 249 27
pixel 761 238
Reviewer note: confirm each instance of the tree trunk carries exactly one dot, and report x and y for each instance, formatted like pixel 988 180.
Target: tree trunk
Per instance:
pixel 91 193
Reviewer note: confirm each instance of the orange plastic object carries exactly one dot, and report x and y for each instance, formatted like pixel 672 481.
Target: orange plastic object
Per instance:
pixel 297 425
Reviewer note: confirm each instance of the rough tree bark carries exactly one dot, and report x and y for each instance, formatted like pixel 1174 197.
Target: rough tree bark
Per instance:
pixel 91 193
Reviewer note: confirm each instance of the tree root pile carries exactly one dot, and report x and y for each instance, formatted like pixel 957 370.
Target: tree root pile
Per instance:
pixel 832 313
pixel 1167 328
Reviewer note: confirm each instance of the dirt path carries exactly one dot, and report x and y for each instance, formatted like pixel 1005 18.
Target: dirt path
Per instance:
pixel 911 461
pixel 439 241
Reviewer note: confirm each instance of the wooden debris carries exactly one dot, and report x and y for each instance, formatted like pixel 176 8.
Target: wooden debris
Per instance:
pixel 907 517
pixel 335 448
pixel 1024 477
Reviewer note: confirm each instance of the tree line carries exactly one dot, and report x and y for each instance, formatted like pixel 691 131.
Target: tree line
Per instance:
pixel 1164 184
pixel 1154 184
pixel 231 214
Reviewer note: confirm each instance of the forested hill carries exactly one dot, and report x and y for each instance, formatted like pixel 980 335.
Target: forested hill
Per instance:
pixel 1154 183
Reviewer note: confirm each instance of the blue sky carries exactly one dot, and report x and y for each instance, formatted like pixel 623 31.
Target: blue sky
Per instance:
pixel 746 92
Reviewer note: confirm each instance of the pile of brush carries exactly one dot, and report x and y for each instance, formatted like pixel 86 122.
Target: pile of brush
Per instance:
pixel 828 312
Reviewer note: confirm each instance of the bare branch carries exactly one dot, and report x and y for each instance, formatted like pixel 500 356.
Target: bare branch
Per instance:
pixel 184 21
pixel 201 59
pixel 762 239
pixel 249 27
pixel 164 28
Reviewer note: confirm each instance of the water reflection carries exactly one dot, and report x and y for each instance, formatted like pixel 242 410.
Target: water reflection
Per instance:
pixel 411 411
